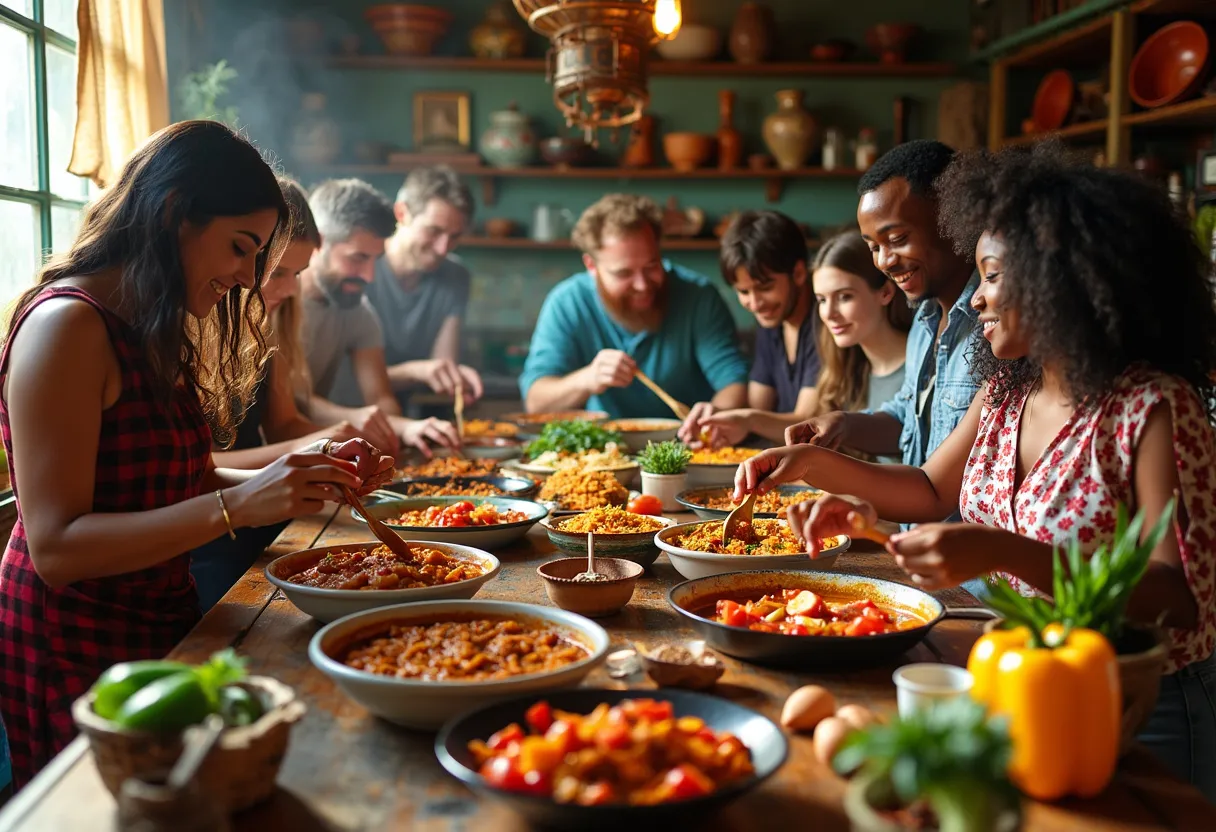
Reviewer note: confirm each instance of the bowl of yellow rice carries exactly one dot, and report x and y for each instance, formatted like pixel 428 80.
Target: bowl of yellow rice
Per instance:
pixel 697 550
pixel 618 533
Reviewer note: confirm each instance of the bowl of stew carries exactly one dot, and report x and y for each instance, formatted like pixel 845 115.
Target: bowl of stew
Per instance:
pixel 806 618
pixel 480 521
pixel 696 550
pixel 329 582
pixel 418 665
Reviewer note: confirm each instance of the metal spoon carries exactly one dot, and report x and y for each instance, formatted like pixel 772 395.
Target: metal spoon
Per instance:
pixel 590 575
pixel 382 532
pixel 739 515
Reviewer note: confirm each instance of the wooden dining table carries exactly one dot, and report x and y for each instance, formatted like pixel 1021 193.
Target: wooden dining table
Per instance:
pixel 347 770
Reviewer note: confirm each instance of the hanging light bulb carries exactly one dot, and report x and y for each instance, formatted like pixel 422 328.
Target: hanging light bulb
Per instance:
pixel 667 18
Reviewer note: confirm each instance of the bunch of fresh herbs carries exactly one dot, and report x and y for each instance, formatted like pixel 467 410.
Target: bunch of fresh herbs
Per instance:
pixel 572 437
pixel 201 93
pixel 669 457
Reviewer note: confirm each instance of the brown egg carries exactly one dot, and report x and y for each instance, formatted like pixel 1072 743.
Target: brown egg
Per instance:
pixel 806 706
pixel 857 716
pixel 828 736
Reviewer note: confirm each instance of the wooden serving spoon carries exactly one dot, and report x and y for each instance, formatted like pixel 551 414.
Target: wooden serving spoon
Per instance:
pixel 739 515
pixel 382 532
pixel 458 408
pixel 679 408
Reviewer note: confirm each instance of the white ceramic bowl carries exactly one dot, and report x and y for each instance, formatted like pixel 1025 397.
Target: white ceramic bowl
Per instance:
pixel 627 475
pixel 645 431
pixel 387 506
pixel 694 42
pixel 331 604
pixel 693 564
pixel 701 475
pixel 427 705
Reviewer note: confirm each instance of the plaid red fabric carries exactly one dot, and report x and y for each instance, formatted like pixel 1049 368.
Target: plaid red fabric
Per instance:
pixel 54 643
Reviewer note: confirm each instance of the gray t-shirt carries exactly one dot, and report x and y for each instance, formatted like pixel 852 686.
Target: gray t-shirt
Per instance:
pixel 882 390
pixel 331 334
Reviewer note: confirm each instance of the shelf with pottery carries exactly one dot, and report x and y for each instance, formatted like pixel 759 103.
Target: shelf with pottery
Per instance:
pixel 703 69
pixel 1080 131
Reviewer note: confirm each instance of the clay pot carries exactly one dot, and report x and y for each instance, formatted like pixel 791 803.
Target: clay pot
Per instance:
pixel 890 40
pixel 509 142
pixel 752 34
pixel 790 132
pixel 500 227
pixel 730 140
pixel 687 151
pixel 501 34
pixel 566 152
pixel 640 151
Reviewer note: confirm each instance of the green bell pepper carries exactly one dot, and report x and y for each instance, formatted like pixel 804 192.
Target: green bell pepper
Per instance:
pixel 170 703
pixel 117 684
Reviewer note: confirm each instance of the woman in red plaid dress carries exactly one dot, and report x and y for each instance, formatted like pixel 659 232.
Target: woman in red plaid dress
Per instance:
pixel 118 366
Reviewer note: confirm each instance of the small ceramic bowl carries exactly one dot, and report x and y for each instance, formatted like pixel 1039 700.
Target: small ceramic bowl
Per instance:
pixel 500 227
pixel 638 547
pixel 701 669
pixel 594 599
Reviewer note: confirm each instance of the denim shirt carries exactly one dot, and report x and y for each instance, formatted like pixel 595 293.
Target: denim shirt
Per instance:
pixel 954 388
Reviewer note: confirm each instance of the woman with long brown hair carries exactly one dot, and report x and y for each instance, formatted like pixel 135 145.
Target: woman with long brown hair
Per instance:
pixel 863 332
pixel 133 351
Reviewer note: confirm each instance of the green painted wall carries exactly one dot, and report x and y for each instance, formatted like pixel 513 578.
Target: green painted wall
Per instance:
pixel 509 286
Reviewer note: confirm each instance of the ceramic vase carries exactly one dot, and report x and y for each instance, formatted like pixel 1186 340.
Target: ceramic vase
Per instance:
pixel 752 34
pixel 791 131
pixel 640 151
pixel 500 34
pixel 315 137
pixel 730 140
pixel 665 487
pixel 509 142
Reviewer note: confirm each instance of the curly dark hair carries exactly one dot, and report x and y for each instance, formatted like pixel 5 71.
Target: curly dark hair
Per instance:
pixel 920 162
pixel 1099 262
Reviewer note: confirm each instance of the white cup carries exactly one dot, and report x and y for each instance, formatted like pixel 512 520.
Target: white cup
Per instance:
pixel 921 686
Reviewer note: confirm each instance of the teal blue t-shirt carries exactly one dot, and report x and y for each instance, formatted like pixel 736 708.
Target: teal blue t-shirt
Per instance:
pixel 694 354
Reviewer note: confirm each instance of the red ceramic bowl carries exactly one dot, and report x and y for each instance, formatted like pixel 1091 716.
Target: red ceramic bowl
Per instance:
pixel 1170 66
pixel 1053 100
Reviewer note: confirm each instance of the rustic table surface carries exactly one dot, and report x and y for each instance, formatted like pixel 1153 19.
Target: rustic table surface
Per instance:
pixel 346 770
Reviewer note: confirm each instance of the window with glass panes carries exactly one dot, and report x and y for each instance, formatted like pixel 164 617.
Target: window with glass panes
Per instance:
pixel 40 202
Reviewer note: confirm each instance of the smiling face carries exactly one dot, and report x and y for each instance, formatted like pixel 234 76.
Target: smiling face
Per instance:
pixel 629 275
pixel 1001 321
pixel 848 307
pixel 222 255
pixel 427 238
pixel 344 269
pixel 901 229
pixel 284 281
pixel 773 300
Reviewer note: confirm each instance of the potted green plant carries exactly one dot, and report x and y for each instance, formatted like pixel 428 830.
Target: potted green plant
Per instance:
pixel 940 768
pixel 1092 593
pixel 200 93
pixel 665 471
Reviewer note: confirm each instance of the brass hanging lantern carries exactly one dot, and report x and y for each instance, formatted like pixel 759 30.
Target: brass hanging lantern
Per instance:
pixel 597 60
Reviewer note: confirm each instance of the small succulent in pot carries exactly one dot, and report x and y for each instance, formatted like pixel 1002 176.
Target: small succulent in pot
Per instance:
pixel 665 471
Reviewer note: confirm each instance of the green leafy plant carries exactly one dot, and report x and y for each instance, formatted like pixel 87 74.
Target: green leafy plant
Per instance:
pixel 1091 592
pixel 953 757
pixel 572 437
pixel 669 457
pixel 201 91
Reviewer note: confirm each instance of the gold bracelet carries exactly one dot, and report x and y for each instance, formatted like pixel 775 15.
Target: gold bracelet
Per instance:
pixel 219 495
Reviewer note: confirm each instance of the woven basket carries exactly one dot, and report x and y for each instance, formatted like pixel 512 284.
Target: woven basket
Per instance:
pixel 239 772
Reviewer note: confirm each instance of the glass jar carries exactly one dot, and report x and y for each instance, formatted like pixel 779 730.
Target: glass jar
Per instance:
pixel 867 149
pixel 833 148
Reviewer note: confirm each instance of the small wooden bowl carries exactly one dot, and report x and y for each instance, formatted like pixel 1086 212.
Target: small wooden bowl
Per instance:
pixel 597 599
pixel 701 673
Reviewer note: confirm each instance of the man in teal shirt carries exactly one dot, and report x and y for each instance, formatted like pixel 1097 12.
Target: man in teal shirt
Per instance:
pixel 631 310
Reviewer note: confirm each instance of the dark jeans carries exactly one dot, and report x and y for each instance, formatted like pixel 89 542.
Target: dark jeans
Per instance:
pixel 222 562
pixel 1182 729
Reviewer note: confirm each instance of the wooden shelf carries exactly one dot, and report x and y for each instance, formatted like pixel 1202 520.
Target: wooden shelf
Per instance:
pixel 1084 130
pixel 1085 46
pixel 1200 112
pixel 776 69
pixel 774 179
pixel 526 244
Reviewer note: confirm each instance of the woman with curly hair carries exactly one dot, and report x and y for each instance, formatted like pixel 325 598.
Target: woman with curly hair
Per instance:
pixel 1098 337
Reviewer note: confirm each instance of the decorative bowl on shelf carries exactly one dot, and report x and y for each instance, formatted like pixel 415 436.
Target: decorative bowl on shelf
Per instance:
pixel 406 29
pixel 1170 66
pixel 1053 100
pixel 688 151
pixel 694 42
pixel 831 51
pixel 500 227
pixel 682 222
pixel 566 152
pixel 890 40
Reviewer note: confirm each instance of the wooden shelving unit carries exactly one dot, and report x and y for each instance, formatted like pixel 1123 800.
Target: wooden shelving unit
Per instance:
pixel 1083 130
pixel 774 179
pixel 1199 112
pixel 701 69
pixel 526 244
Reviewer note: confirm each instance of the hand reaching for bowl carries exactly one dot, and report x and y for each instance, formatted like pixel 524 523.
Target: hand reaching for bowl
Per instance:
pixel 829 516
pixel 769 469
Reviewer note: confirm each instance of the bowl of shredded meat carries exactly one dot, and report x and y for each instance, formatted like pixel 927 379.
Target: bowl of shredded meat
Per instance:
pixel 332 581
pixel 418 665
pixel 698 550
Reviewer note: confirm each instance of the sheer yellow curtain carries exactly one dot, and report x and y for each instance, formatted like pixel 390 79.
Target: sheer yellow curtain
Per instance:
pixel 122 94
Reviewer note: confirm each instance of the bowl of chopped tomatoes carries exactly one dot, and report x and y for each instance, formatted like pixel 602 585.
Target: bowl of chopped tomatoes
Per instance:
pixel 474 521
pixel 594 759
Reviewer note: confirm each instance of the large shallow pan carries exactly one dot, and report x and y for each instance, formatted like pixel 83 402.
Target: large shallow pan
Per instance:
pixel 694 600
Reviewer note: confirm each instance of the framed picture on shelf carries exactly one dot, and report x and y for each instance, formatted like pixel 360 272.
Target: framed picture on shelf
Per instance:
pixel 441 121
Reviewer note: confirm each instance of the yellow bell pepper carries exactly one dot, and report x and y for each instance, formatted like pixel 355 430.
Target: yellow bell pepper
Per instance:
pixel 1063 702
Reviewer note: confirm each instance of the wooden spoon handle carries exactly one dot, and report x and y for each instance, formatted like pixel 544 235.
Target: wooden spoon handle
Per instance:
pixel 864 530
pixel 679 408
pixel 382 532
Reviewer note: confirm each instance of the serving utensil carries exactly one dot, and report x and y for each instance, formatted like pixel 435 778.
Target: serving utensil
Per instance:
pixel 590 575
pixel 382 532
pixel 679 408
pixel 458 408
pixel 740 514
pixel 863 529
pixel 196 751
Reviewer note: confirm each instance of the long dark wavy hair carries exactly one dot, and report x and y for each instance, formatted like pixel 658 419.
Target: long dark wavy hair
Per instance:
pixel 1101 267
pixel 192 171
